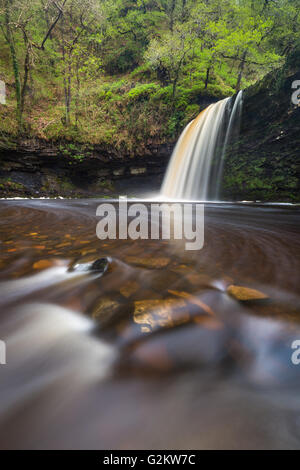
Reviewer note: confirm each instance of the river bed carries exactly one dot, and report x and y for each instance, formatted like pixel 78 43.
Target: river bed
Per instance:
pixel 153 351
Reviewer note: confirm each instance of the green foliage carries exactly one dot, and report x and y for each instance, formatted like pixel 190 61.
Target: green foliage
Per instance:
pixel 142 91
pixel 122 59
pixel 127 72
pixel 7 185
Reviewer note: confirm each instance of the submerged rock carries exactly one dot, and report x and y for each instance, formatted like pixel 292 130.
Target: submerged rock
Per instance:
pixel 152 263
pixel 129 288
pixel 105 310
pixel 245 293
pixel 155 314
pixel 43 264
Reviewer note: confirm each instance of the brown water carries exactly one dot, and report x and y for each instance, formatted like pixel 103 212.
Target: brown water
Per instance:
pixel 153 353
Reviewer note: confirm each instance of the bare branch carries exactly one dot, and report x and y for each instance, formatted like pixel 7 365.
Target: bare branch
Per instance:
pixel 60 13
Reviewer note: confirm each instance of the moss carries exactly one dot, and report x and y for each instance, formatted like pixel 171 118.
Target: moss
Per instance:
pixel 10 188
pixel 104 184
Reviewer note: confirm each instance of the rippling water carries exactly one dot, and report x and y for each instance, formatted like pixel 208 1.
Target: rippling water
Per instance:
pixel 153 353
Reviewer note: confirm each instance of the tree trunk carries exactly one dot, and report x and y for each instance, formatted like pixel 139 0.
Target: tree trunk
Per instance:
pixel 77 94
pixel 66 79
pixel 183 11
pixel 67 90
pixel 174 89
pixel 10 41
pixel 241 70
pixel 172 11
pixel 26 73
pixel 207 77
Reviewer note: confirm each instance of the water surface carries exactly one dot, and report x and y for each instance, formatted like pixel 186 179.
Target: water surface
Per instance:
pixel 154 352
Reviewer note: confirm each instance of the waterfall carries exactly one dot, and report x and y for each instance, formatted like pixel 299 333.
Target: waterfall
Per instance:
pixel 196 166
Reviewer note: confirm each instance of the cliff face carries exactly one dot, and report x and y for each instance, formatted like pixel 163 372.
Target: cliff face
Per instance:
pixel 264 164
pixel 37 168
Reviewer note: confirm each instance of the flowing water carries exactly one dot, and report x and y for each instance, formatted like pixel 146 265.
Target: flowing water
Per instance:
pixel 195 169
pixel 153 352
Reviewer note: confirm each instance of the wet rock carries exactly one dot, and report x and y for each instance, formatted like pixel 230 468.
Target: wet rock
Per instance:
pixel 43 264
pixel 129 288
pixel 151 263
pixel 105 310
pixel 119 171
pixel 147 293
pixel 155 314
pixel 182 269
pixel 245 293
pixel 100 265
pixel 88 252
pixel 63 245
pixel 138 171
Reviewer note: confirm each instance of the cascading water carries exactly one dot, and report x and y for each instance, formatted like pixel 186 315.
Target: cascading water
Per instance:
pixel 196 167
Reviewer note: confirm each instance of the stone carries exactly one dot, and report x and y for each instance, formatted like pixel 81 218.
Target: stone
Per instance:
pixel 119 172
pixel 100 265
pixel 245 293
pixel 105 309
pixel 160 313
pixel 43 264
pixel 151 263
pixel 138 171
pixel 129 288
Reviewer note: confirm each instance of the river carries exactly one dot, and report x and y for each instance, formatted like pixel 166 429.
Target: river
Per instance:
pixel 152 351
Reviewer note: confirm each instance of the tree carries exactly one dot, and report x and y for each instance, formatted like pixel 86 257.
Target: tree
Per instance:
pixel 9 28
pixel 217 45
pixel 17 21
pixel 74 37
pixel 170 52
